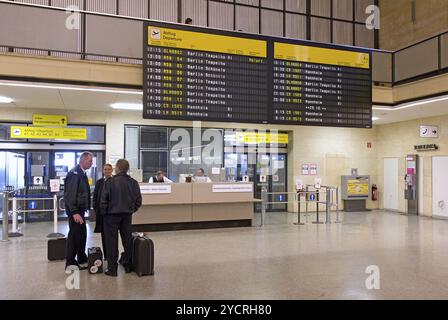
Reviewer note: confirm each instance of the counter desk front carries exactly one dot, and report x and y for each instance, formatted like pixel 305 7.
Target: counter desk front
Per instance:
pixel 180 206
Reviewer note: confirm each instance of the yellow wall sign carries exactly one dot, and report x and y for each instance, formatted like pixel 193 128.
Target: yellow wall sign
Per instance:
pixel 357 188
pixel 19 132
pixel 46 120
pixel 260 138
pixel 173 38
pixel 344 58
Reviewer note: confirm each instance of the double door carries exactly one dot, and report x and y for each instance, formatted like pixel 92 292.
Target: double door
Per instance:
pixel 267 171
pixel 29 173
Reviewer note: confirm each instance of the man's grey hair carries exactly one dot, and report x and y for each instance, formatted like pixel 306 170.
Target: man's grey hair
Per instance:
pixel 85 155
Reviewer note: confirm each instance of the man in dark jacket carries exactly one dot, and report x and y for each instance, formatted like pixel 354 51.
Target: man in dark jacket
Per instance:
pixel 77 202
pixel 121 197
pixel 99 186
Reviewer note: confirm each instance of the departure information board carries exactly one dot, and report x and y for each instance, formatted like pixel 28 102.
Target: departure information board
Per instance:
pixel 321 86
pixel 212 75
pixel 207 77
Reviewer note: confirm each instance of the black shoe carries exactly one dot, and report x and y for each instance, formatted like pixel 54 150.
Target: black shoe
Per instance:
pixel 127 269
pixel 72 267
pixel 111 273
pixel 83 266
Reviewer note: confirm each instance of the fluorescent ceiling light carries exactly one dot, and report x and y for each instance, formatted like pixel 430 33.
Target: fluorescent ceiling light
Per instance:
pixel 5 99
pixel 72 88
pixel 383 108
pixel 419 103
pixel 127 106
pixel 411 104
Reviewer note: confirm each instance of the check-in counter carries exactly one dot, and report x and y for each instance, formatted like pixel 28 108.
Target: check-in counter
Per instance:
pixel 194 205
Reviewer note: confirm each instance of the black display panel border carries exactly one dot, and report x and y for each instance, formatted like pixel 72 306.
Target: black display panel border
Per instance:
pixel 270 40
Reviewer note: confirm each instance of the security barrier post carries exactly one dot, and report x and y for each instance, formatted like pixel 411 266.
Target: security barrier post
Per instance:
pixel 328 206
pixel 317 206
pixel 337 205
pixel 14 233
pixel 55 233
pixel 299 222
pixel 5 236
pixel 263 204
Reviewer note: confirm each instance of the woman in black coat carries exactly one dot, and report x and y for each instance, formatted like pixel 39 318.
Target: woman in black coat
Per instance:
pixel 99 226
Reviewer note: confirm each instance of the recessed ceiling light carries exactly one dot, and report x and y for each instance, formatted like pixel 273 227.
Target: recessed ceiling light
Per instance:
pixel 72 88
pixel 5 99
pixel 127 106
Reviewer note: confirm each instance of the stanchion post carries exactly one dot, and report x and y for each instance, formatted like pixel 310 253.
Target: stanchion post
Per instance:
pixel 328 206
pixel 263 205
pixel 317 207
pixel 306 203
pixel 299 222
pixel 5 236
pixel 55 233
pixel 14 232
pixel 337 205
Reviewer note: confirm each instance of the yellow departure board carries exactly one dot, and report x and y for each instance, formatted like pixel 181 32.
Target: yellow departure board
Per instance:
pixel 174 38
pixel 343 58
pixel 200 74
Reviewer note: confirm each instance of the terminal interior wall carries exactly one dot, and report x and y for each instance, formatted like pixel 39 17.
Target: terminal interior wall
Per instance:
pixel 334 150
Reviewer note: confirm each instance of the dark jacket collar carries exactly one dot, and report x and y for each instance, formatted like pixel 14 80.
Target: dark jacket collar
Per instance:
pixel 122 174
pixel 78 169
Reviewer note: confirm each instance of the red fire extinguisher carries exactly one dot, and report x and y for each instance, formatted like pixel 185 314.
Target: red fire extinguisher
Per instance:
pixel 374 192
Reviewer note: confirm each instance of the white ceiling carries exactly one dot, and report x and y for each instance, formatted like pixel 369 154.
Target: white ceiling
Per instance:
pixel 69 97
pixel 51 96
pixel 426 108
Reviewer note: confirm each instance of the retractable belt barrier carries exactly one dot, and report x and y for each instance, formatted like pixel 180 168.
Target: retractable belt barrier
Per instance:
pixel 309 195
pixel 16 200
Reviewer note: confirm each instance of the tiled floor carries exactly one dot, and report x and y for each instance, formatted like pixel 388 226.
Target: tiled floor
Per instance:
pixel 278 261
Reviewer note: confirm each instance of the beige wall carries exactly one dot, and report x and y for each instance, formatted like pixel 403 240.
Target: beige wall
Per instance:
pixel 398 29
pixel 398 140
pixel 334 150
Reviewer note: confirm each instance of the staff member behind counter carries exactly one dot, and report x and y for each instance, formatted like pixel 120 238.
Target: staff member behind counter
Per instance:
pixel 160 177
pixel 200 177
pixel 121 197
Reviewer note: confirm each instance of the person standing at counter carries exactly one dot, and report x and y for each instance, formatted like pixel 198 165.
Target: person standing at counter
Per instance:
pixel 77 202
pixel 200 177
pixel 99 186
pixel 121 197
pixel 160 177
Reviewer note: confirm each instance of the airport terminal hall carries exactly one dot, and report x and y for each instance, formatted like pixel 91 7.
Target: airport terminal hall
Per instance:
pixel 224 150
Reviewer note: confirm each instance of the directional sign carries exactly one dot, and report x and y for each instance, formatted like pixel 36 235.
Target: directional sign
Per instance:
pixel 38 181
pixel 32 205
pixel 42 120
pixel 429 132
pixel 22 132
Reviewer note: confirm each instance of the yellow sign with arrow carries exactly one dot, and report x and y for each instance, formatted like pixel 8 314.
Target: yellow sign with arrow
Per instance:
pixel 47 120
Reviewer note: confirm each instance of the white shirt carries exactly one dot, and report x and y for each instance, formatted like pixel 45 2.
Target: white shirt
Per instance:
pixel 165 180
pixel 202 179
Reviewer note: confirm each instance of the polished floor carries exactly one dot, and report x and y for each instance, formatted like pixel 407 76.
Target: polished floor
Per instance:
pixel 278 261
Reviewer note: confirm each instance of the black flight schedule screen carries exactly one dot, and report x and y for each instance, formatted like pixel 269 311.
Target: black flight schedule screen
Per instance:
pixel 201 74
pixel 191 75
pixel 321 86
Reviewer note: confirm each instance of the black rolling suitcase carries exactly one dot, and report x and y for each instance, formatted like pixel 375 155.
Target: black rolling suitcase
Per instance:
pixel 95 260
pixel 57 249
pixel 142 255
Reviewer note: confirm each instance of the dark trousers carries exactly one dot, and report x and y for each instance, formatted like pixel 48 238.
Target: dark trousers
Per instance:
pixel 103 242
pixel 76 243
pixel 113 224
